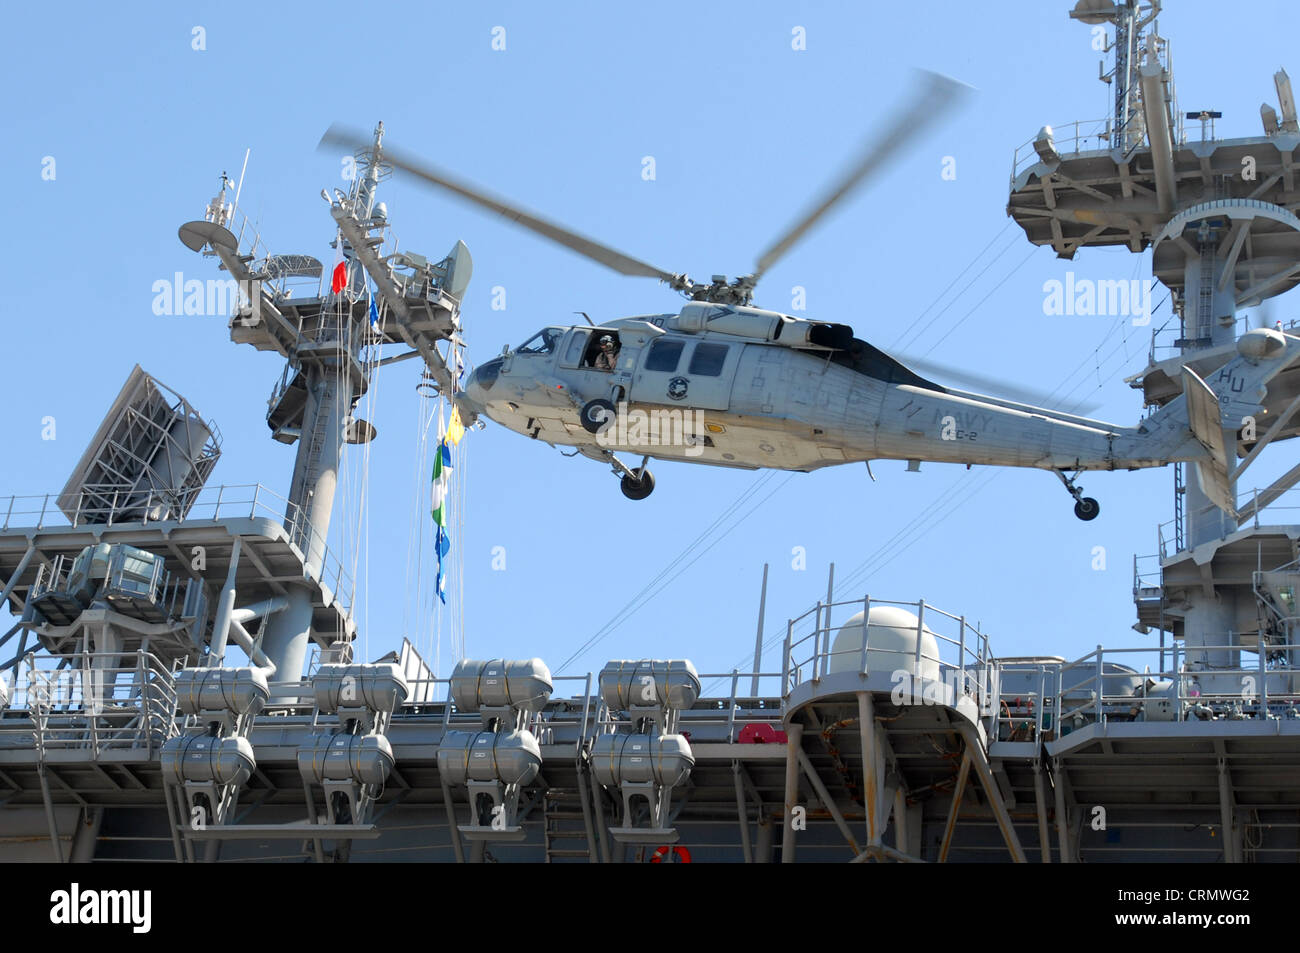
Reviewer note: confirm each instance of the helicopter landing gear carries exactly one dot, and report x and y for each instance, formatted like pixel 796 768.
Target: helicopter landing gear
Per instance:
pixel 596 415
pixel 1085 507
pixel 638 489
pixel 636 484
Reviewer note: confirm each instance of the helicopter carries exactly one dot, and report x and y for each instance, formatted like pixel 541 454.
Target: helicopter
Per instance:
pixel 725 383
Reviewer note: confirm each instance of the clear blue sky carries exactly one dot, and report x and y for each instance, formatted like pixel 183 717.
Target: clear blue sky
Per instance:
pixel 744 131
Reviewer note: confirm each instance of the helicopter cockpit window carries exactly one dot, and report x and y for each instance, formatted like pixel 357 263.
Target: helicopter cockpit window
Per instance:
pixel 708 359
pixel 664 356
pixel 543 342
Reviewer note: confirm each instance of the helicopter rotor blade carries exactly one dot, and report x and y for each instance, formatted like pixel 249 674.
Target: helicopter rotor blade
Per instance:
pixel 338 135
pixel 994 388
pixel 933 98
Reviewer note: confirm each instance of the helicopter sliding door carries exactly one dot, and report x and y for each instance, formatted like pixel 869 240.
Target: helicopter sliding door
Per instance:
pixel 676 371
pixel 575 348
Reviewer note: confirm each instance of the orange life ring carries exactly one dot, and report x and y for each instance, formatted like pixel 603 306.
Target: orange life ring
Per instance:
pixel 680 855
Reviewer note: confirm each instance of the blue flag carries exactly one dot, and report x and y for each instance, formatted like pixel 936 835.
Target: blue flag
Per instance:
pixel 374 314
pixel 443 546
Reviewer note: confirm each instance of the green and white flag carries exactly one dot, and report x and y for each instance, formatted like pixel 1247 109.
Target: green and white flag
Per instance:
pixel 441 481
pixel 438 506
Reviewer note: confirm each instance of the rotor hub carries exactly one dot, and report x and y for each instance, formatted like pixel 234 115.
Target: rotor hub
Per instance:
pixel 719 291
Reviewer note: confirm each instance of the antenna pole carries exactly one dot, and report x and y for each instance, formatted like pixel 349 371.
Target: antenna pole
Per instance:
pixel 1128 119
pixel 758 637
pixel 240 187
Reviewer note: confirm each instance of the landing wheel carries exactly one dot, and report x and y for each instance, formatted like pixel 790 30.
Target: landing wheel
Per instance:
pixel 596 415
pixel 1087 509
pixel 635 489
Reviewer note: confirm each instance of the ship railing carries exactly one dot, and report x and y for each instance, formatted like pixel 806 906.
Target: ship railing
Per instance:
pixel 1285 504
pixel 255 500
pixel 242 227
pixel 171 594
pixel 1168 541
pixel 1082 135
pixel 1094 135
pixel 1022 713
pixel 567 690
pixel 91 701
pixel 1254 500
pixel 294 288
pixel 743 706
pixel 575 714
pixel 52 577
pixel 277 392
pixel 288 697
pixel 714 719
pixel 248 240
pixel 1148 578
pixel 964 654
pixel 1088 692
pixel 117 502
pixel 330 325
pixel 1166 339
pixel 723 719
pixel 576 711
pixel 431 695
pixel 210 503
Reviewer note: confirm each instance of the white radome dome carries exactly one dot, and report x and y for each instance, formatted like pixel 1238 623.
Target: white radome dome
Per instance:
pixel 891 644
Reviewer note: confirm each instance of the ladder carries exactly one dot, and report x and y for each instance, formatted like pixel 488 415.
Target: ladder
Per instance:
pixel 1200 333
pixel 1205 294
pixel 563 826
pixel 1180 492
pixel 310 471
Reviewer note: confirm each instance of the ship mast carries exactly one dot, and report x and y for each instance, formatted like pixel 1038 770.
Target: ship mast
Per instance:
pixel 331 342
pixel 1216 214
pixel 328 360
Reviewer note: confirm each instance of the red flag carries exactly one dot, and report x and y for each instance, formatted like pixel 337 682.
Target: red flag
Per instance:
pixel 339 277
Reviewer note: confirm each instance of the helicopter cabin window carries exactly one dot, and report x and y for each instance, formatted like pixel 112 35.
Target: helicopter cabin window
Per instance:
pixel 708 359
pixel 543 342
pixel 597 354
pixel 664 356
pixel 577 347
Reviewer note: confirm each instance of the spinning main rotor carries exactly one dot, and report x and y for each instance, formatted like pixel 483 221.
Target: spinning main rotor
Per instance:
pixel 933 95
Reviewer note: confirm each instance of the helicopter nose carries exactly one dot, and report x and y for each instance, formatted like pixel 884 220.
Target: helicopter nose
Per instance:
pixel 485 375
pixel 481 381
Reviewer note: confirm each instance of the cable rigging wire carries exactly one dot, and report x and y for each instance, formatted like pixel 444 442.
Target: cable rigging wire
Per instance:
pixel 676 566
pixel 899 343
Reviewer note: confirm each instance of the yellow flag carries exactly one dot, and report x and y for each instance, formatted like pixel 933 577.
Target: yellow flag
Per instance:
pixel 455 430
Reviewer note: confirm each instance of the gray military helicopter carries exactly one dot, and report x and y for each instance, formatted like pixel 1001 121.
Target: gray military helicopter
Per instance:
pixel 725 383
